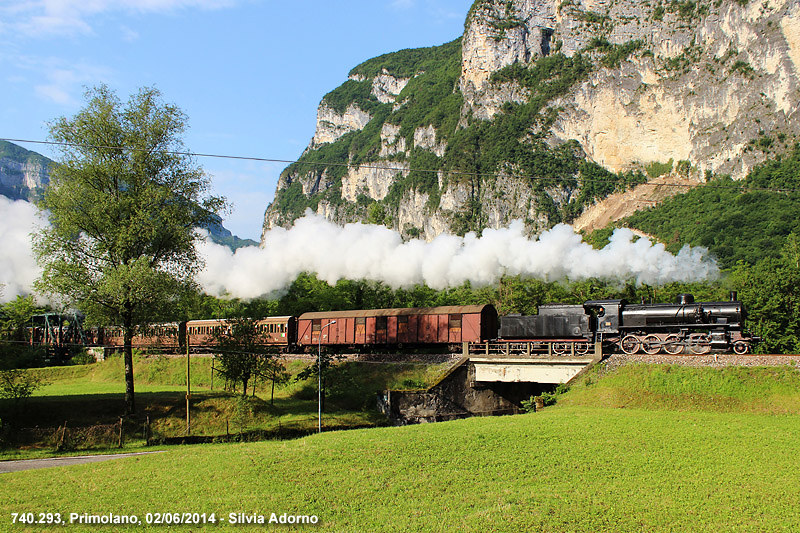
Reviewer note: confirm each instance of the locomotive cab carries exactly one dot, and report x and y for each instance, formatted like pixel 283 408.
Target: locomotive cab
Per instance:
pixel 605 315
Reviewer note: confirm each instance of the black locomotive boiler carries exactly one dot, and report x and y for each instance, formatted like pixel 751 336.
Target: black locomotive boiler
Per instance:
pixel 685 326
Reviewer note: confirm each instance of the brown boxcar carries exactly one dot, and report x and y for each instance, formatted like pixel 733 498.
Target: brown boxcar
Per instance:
pixel 422 325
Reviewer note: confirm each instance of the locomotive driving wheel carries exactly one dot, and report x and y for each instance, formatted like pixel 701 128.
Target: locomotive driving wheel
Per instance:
pixel 651 344
pixel 560 348
pixel 630 344
pixel 740 347
pixel 699 343
pixel 673 345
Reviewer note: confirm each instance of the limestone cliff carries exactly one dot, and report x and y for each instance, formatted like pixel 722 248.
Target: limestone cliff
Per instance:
pixel 545 107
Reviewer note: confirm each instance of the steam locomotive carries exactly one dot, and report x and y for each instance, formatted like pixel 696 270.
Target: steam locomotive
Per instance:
pixel 681 327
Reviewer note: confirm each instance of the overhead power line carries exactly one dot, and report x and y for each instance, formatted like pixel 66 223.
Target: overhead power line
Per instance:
pixel 373 166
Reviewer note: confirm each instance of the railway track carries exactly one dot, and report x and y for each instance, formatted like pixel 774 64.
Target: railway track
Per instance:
pixel 713 360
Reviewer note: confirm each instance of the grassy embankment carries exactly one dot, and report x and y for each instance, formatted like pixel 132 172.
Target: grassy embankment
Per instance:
pixel 92 395
pixel 641 448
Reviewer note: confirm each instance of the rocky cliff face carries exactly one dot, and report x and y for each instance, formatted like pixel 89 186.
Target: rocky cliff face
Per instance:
pixel 570 86
pixel 23 174
pixel 717 78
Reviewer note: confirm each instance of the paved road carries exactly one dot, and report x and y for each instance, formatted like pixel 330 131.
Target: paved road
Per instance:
pixel 31 464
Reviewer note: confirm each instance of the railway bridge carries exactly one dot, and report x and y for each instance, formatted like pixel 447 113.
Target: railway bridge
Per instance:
pixel 491 379
pixel 530 362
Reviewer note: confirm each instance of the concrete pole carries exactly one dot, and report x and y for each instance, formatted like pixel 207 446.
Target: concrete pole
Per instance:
pixel 319 376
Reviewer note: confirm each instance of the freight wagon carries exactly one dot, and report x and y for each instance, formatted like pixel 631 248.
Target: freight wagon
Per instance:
pixel 420 326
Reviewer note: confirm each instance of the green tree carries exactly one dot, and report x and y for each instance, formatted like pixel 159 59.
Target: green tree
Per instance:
pixel 16 316
pixel 124 204
pixel 275 371
pixel 771 290
pixel 243 355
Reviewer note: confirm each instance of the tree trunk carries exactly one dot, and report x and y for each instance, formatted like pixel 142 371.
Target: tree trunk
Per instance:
pixel 130 404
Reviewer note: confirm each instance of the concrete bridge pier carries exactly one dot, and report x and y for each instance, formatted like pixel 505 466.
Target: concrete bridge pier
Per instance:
pixel 484 385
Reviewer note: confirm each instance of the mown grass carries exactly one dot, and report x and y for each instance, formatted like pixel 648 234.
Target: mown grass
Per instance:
pixel 768 390
pixel 562 469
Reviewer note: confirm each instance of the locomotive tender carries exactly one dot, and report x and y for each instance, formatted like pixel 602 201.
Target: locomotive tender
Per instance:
pixel 685 326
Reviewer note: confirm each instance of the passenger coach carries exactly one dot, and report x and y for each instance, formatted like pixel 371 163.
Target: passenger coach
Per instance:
pixel 275 330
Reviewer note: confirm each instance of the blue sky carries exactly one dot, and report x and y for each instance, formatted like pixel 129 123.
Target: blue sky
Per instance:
pixel 249 74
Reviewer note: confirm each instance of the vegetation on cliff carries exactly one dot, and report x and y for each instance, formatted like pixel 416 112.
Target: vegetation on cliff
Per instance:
pixel 13 160
pixel 477 151
pixel 744 220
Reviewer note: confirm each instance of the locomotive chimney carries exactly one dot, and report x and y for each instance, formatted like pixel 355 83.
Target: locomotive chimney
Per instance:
pixel 685 299
pixel 733 296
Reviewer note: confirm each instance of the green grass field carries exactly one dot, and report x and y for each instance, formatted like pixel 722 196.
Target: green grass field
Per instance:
pixel 89 398
pixel 640 448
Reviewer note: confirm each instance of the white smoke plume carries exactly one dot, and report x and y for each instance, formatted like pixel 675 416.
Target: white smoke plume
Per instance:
pixel 18 268
pixel 361 251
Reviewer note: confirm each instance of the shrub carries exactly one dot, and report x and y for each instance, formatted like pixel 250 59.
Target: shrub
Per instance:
pixel 18 385
pixel 529 405
pixel 20 356
pixel 548 398
pixel 82 358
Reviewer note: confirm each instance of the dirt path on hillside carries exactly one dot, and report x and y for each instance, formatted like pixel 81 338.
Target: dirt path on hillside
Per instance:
pixel 621 205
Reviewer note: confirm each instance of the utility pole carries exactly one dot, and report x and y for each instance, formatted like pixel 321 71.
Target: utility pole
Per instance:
pixel 319 376
pixel 188 386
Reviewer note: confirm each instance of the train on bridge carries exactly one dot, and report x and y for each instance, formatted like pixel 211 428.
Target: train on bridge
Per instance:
pixel 683 327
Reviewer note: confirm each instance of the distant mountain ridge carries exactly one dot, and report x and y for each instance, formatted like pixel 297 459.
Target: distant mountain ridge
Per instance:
pixel 24 175
pixel 545 107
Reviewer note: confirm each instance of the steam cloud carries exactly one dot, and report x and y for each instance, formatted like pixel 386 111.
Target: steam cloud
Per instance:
pixel 18 268
pixel 360 251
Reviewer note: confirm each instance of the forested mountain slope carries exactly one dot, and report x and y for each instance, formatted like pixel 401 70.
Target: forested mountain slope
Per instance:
pixel 745 220
pixel 23 174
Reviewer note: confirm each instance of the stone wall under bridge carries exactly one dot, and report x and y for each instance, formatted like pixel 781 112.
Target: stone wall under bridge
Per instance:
pixel 466 390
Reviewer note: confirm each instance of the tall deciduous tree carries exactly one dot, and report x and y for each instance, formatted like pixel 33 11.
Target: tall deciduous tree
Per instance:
pixel 124 204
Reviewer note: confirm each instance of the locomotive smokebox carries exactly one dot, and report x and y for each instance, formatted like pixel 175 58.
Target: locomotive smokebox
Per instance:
pixel 734 296
pixel 685 299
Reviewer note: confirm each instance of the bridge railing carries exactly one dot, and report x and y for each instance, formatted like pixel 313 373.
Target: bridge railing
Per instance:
pixel 549 348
